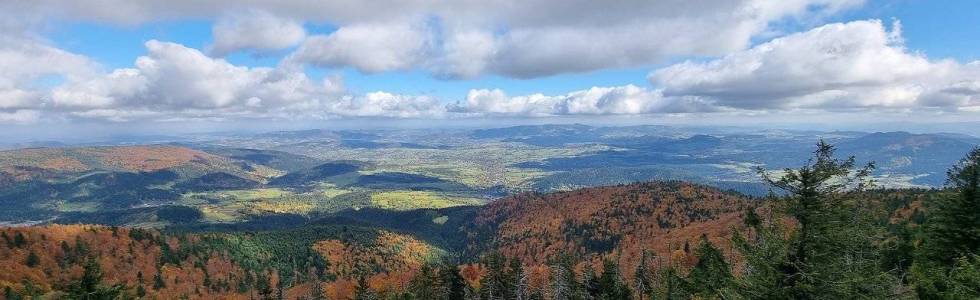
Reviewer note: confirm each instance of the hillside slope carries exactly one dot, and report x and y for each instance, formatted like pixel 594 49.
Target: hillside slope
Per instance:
pixel 46 261
pixel 619 222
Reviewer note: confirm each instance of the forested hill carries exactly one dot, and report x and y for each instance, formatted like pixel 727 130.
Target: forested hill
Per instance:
pixel 619 222
pixel 66 261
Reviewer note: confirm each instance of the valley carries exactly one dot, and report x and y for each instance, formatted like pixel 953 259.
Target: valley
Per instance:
pixel 307 173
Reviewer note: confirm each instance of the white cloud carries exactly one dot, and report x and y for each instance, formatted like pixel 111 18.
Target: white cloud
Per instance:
pixel 28 66
pixel 620 100
pixel 465 39
pixel 370 48
pixel 837 66
pixel 173 81
pixel 254 30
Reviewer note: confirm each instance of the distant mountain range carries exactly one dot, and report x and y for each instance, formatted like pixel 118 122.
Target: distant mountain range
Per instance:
pixel 234 178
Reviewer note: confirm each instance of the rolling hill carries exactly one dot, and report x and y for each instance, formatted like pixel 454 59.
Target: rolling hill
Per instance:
pixel 618 222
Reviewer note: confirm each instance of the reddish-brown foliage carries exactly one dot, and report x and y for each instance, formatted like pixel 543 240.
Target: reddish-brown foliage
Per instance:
pixel 618 222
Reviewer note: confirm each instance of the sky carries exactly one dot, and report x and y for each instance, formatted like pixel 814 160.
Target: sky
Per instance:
pixel 216 65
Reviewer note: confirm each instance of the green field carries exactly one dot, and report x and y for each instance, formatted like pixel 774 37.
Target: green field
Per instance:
pixel 408 200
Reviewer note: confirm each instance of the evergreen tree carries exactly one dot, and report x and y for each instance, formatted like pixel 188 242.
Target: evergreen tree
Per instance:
pixel 32 259
pixel 19 240
pixel 31 291
pixel 611 283
pixel 519 279
pixel 10 294
pixel 953 229
pixel 711 274
pixel 453 282
pixel 496 285
pixel 831 251
pixel 670 285
pixel 643 277
pixel 264 287
pixel 964 279
pixel 952 236
pixel 590 281
pixel 158 282
pixel 426 284
pixel 90 286
pixel 563 283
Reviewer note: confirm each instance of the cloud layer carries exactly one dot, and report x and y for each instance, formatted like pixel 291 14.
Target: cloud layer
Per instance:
pixel 854 66
pixel 465 39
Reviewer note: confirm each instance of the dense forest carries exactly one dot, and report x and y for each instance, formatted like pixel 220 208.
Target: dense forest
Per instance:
pixel 824 232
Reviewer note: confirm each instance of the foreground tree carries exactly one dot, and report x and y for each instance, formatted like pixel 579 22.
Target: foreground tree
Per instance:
pixel 947 266
pixel 831 249
pixel 953 229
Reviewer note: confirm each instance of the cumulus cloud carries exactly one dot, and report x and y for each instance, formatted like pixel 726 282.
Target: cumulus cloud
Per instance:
pixel 254 30
pixel 836 66
pixel 173 81
pixel 465 39
pixel 28 65
pixel 620 100
pixel 370 48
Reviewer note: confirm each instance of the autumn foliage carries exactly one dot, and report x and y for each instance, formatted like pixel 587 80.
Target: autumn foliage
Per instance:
pixel 616 222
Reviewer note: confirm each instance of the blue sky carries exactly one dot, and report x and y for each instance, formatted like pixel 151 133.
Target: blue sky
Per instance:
pixel 119 61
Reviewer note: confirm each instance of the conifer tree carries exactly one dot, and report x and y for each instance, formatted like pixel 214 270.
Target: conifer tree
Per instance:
pixel 611 285
pixel 32 259
pixel 264 287
pixel 426 284
pixel 19 240
pixel 519 279
pixel 952 237
pixel 953 230
pixel 90 286
pixel 453 282
pixel 643 277
pixel 564 286
pixel 158 282
pixel 831 251
pixel 670 285
pixel 496 285
pixel 10 294
pixel 711 274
